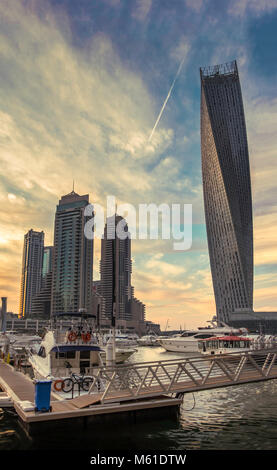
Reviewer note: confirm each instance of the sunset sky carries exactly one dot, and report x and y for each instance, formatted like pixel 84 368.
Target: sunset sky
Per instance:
pixel 82 85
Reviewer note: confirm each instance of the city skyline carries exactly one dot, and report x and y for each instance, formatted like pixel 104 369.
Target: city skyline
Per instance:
pixel 80 100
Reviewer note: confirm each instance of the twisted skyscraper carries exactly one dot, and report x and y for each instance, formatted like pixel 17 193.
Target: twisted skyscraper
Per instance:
pixel 227 189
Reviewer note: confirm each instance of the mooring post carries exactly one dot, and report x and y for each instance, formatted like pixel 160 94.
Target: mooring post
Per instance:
pixel 4 314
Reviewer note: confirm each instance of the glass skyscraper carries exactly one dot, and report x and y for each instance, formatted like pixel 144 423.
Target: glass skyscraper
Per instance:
pixel 115 270
pixel 47 260
pixel 41 303
pixel 227 189
pixel 72 264
pixel 31 275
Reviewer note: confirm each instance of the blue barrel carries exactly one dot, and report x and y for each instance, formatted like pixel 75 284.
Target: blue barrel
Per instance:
pixel 42 395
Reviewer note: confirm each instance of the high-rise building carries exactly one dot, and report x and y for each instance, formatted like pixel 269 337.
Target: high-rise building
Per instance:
pixel 115 278
pixel 115 269
pixel 41 303
pixel 227 189
pixel 47 260
pixel 72 258
pixel 31 275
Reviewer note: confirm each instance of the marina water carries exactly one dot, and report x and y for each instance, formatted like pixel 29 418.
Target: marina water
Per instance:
pixel 242 417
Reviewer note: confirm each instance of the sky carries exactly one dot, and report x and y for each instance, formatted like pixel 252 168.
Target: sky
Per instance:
pixel 82 85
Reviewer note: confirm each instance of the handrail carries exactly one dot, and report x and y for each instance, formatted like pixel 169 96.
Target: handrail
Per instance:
pixel 135 380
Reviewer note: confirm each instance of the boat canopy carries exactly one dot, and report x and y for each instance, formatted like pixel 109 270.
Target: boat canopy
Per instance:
pixel 66 348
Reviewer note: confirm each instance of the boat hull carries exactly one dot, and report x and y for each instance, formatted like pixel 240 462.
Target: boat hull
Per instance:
pixel 120 356
pixel 180 346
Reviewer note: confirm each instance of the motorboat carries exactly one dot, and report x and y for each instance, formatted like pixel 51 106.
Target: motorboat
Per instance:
pixel 74 350
pixel 14 345
pixel 148 340
pixel 61 350
pixel 187 342
pixel 13 337
pixel 121 354
pixel 223 345
pixel 122 340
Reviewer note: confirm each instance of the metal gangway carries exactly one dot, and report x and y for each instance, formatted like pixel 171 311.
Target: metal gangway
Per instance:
pixel 174 377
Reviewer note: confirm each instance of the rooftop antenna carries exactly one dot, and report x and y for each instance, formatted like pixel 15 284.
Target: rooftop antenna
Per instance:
pixel 73 187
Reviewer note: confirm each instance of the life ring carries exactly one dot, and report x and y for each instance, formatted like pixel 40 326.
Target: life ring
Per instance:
pixel 58 385
pixel 86 337
pixel 72 336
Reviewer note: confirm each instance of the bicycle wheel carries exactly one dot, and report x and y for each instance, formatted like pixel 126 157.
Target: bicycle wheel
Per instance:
pixel 67 385
pixel 86 383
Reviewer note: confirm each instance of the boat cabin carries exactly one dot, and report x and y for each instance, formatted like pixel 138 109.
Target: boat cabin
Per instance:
pixel 60 351
pixel 224 345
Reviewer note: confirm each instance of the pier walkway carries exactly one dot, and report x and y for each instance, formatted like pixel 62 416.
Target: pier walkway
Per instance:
pixel 179 376
pixel 16 385
pixel 143 386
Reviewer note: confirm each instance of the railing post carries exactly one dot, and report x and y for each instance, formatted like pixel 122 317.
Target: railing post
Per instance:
pixel 271 365
pixel 109 384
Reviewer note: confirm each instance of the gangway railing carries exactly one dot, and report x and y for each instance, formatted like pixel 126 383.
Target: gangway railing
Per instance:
pixel 177 376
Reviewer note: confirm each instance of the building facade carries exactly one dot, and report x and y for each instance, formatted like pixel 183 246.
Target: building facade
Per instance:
pixel 115 286
pixel 227 189
pixel 72 265
pixel 41 303
pixel 31 274
pixel 47 260
pixel 115 269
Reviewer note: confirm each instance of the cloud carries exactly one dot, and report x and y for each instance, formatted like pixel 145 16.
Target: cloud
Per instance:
pixel 156 264
pixel 257 7
pixel 85 113
pixel 195 5
pixel 142 9
pixel 66 114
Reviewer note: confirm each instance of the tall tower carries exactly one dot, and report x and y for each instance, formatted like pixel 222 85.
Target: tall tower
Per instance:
pixel 72 262
pixel 41 303
pixel 47 261
pixel 227 189
pixel 115 270
pixel 31 275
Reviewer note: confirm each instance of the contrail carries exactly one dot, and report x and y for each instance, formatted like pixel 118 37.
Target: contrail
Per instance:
pixel 166 100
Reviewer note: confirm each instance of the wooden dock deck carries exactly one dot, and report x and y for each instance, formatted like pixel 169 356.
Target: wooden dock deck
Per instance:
pixel 143 387
pixel 18 388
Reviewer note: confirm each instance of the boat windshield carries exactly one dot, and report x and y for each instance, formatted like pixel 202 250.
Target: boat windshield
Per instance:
pixel 186 334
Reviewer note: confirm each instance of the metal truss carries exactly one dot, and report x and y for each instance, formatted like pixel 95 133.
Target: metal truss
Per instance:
pixel 175 377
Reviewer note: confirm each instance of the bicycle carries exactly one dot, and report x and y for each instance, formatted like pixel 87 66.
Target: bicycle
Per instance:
pixel 83 382
pixel 74 379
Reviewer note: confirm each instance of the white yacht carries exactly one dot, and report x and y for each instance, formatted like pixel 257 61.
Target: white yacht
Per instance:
pixel 148 340
pixel 13 344
pixel 122 340
pixel 14 337
pixel 60 350
pixel 188 341
pixel 76 350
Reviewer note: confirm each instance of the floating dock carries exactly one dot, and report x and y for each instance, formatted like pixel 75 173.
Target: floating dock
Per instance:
pixel 19 389
pixel 129 392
